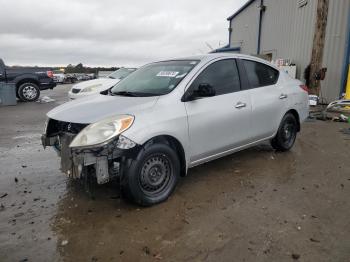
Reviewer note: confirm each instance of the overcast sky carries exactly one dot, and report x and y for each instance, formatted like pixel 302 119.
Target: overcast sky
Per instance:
pixel 110 32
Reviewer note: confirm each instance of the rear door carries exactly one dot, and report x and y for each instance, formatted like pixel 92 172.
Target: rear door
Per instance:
pixel 222 122
pixel 267 97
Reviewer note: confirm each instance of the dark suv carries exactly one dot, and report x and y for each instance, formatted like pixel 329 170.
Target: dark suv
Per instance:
pixel 28 81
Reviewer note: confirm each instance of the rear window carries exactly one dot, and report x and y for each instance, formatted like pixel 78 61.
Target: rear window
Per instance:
pixel 260 74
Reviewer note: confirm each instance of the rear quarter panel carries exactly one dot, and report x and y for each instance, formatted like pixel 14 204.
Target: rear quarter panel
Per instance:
pixel 298 98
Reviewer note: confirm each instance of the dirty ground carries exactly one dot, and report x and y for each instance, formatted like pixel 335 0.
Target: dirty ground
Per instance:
pixel 256 205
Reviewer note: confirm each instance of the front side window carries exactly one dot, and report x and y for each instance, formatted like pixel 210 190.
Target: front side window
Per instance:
pixel 260 74
pixel 154 79
pixel 222 76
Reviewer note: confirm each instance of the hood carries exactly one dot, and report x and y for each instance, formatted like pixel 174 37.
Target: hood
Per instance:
pixel 94 108
pixel 104 83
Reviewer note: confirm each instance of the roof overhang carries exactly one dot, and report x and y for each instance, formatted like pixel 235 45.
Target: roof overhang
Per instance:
pixel 226 48
pixel 241 9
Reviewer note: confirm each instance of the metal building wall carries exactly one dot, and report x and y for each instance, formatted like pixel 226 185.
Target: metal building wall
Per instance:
pixel 287 32
pixel 245 29
pixel 334 51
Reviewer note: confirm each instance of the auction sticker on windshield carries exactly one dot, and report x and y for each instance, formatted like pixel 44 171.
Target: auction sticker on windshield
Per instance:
pixel 167 73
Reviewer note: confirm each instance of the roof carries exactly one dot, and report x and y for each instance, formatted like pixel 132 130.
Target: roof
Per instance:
pixel 211 56
pixel 241 9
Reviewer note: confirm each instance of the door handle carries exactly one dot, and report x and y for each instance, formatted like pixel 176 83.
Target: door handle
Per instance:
pixel 240 105
pixel 283 96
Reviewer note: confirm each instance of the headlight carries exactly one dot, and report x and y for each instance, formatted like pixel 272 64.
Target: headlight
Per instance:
pixel 91 88
pixel 100 133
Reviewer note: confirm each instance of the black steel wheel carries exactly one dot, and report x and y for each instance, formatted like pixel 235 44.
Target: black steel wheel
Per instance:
pixel 155 174
pixel 152 176
pixel 286 134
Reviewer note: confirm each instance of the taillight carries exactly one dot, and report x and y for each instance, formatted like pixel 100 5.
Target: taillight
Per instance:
pixel 304 87
pixel 49 74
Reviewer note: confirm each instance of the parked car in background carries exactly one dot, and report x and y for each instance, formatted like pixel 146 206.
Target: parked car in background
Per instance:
pixel 103 74
pixel 98 85
pixel 172 115
pixel 28 81
pixel 58 77
pixel 62 78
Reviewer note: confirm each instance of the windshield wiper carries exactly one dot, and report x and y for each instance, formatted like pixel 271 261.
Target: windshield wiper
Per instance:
pixel 124 93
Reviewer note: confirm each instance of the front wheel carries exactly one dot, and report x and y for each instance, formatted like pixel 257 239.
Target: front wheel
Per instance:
pixel 286 134
pixel 152 176
pixel 28 92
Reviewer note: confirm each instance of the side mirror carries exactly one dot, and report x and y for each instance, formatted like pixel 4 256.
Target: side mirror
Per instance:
pixel 203 90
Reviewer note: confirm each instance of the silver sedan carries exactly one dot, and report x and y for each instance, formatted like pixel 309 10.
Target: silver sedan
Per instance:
pixel 172 115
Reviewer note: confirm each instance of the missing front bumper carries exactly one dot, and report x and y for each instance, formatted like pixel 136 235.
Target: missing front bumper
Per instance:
pixel 103 162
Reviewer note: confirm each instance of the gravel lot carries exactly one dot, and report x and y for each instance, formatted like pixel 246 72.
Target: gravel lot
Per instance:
pixel 255 205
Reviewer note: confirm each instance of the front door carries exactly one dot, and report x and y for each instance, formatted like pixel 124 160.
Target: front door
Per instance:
pixel 221 122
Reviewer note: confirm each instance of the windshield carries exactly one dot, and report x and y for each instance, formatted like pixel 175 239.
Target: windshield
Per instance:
pixel 121 73
pixel 155 79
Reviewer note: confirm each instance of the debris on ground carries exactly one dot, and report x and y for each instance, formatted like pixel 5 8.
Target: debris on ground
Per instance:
pixel 315 240
pixel 295 256
pixel 16 179
pixel 3 195
pixel 146 250
pixel 64 242
pixel 45 99
pixel 313 100
pixel 338 105
pixel 19 214
pixel 341 118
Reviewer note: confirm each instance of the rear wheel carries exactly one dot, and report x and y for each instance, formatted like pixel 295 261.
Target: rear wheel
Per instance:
pixel 286 134
pixel 152 176
pixel 28 92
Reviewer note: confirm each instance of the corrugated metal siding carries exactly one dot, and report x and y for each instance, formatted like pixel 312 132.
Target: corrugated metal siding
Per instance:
pixel 245 29
pixel 334 52
pixel 287 32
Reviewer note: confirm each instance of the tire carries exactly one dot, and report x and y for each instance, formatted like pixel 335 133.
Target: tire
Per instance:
pixel 152 176
pixel 286 134
pixel 17 95
pixel 28 92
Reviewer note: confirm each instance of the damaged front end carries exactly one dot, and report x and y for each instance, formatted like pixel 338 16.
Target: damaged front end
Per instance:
pixel 102 161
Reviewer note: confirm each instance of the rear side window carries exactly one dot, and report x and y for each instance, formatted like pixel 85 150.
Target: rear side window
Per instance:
pixel 222 76
pixel 260 74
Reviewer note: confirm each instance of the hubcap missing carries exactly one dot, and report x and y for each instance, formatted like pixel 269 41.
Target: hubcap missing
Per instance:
pixel 155 174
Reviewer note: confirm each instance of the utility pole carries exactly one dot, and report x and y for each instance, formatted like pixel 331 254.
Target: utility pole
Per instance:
pixel 318 46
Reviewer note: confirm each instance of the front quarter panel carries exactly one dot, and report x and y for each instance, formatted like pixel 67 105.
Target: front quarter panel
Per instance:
pixel 167 117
